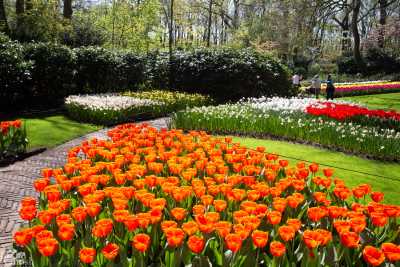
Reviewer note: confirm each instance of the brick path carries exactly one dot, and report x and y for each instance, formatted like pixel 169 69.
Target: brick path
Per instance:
pixel 16 182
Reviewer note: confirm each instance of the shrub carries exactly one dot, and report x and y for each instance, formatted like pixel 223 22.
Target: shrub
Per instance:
pixel 225 74
pixel 52 72
pixel 377 61
pixel 100 70
pixel 84 32
pixel 348 65
pixel 4 38
pixel 15 76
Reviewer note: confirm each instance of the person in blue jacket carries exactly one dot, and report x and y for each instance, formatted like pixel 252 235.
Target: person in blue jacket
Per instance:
pixel 330 88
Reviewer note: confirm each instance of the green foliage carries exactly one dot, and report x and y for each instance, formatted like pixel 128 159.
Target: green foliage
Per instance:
pixel 15 76
pixel 348 65
pixel 4 38
pixel 375 61
pixel 43 73
pixel 128 23
pixel 84 31
pixel 52 72
pixel 225 74
pixel 100 70
pixel 41 23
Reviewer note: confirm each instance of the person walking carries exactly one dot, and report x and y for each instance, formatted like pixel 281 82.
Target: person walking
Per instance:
pixel 316 86
pixel 330 88
pixel 296 81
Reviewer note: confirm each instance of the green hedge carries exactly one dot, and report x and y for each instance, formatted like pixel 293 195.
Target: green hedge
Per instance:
pixel 41 75
pixel 225 74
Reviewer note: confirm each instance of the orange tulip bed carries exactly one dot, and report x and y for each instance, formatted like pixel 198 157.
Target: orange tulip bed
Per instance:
pixel 165 198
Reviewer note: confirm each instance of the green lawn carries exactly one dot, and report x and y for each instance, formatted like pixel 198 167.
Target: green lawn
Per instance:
pixel 378 101
pixel 390 187
pixel 54 130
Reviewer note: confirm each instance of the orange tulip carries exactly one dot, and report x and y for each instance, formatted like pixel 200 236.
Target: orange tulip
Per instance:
pixel 110 251
pixel 328 172
pixel 93 209
pixel 391 251
pixel 277 249
pixel 233 242
pixel 178 213
pixel 102 228
pixel 27 213
pixel 190 228
pixel 47 247
pixel 42 235
pixel 87 255
pixel 196 243
pixel 316 213
pixel 168 224
pixel 279 204
pixel 313 167
pixel 46 216
pixel 66 232
pixel 141 242
pixel 175 236
pixel 260 238
pixel 286 233
pixel 312 239
pixel 28 201
pixel 377 196
pixel 274 217
pixel 223 228
pixel 379 219
pixel 294 223
pixel 220 205
pixel 23 237
pixel 79 214
pixel 349 239
pixel 373 256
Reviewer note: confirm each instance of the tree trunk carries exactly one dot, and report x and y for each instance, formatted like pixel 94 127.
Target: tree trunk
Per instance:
pixel 345 34
pixel 171 25
pixel 171 42
pixel 28 5
pixel 3 18
pixel 19 7
pixel 235 22
pixel 67 9
pixel 210 3
pixel 356 34
pixel 382 22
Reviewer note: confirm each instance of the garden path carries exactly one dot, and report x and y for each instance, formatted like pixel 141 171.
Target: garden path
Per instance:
pixel 16 182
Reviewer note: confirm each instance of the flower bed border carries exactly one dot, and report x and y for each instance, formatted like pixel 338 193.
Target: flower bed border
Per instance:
pixel 297 141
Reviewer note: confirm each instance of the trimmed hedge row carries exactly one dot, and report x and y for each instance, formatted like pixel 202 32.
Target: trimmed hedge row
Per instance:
pixel 41 75
pixel 225 74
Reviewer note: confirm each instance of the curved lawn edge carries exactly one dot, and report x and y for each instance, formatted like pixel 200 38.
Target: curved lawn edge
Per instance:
pixel 339 160
pixel 301 142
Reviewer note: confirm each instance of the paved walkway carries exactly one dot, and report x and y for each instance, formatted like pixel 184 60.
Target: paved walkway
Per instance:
pixel 16 182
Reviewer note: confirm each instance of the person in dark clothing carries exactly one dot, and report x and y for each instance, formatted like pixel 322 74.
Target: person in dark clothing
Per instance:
pixel 330 88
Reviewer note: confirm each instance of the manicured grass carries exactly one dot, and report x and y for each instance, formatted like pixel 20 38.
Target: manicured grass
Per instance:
pixel 390 187
pixel 54 130
pixel 378 101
